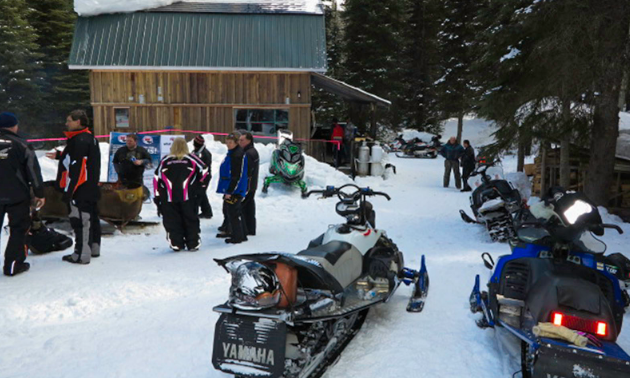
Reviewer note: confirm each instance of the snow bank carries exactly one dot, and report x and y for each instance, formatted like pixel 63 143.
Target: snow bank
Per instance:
pixel 477 131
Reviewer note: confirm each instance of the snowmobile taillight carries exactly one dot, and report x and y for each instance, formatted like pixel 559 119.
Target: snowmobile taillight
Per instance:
pixel 595 327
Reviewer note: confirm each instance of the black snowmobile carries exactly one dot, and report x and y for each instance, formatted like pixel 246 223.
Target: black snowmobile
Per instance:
pixel 287 163
pixel 556 301
pixel 494 202
pixel 419 149
pixel 291 315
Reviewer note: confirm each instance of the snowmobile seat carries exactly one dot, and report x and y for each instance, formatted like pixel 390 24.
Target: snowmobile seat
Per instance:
pixel 342 260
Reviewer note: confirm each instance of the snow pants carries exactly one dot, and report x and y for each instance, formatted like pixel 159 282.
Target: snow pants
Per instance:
pixel 87 230
pixel 249 214
pixel 204 204
pixel 181 221
pixel 233 212
pixel 19 223
pixel 467 169
pixel 452 165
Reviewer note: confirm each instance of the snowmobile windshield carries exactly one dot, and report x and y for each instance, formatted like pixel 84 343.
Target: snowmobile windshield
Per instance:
pixel 495 173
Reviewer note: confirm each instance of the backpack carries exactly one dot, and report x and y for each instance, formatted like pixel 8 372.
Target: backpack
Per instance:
pixel 44 240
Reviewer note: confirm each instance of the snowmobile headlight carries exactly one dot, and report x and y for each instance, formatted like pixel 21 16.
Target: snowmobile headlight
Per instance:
pixel 576 210
pixel 254 287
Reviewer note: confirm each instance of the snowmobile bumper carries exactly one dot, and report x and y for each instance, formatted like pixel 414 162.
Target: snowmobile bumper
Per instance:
pixel 558 359
pixel 249 346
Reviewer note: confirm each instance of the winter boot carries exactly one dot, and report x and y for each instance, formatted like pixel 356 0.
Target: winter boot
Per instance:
pixel 72 260
pixel 16 268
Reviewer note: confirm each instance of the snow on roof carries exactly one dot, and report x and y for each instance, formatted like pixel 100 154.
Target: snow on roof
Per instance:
pixel 96 7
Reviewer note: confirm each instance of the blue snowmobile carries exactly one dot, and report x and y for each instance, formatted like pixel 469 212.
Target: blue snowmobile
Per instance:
pixel 557 294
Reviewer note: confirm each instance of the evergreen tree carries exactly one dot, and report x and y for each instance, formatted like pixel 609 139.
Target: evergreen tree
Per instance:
pixel 374 39
pixel 63 90
pixel 421 65
pixel 20 77
pixel 457 86
pixel 327 105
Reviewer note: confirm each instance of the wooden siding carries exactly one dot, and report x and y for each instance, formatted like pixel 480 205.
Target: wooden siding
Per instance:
pixel 197 101
pixel 199 88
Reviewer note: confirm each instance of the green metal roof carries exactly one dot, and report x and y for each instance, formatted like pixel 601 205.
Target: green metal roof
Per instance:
pixel 200 41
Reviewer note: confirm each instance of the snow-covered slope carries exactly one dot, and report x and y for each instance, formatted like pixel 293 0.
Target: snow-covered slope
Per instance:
pixel 142 311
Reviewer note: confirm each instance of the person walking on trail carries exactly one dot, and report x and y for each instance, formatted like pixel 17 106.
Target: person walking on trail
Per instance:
pixel 20 174
pixel 77 177
pixel 200 151
pixel 468 164
pixel 130 162
pixel 452 151
pixel 177 183
pixel 246 142
pixel 233 186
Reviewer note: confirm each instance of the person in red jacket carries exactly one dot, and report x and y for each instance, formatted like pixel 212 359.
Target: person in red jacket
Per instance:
pixel 337 135
pixel 77 177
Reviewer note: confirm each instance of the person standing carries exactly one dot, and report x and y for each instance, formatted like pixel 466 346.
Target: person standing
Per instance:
pixel 233 186
pixel 177 183
pixel 246 142
pixel 205 156
pixel 20 173
pixel 337 136
pixel 468 164
pixel 452 151
pixel 78 176
pixel 130 162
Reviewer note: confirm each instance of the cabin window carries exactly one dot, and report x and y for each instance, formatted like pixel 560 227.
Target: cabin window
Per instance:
pixel 121 115
pixel 262 121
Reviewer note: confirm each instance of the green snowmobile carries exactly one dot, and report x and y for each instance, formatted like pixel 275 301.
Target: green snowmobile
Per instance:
pixel 287 163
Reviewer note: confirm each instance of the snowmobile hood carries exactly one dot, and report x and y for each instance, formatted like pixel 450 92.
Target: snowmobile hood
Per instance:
pixel 312 274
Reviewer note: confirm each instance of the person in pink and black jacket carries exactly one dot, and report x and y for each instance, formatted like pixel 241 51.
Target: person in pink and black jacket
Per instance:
pixel 177 184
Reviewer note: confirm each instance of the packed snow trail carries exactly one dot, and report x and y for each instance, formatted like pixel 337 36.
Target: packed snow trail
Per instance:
pixel 141 310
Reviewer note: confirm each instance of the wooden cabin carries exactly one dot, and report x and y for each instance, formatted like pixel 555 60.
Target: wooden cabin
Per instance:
pixel 549 163
pixel 208 66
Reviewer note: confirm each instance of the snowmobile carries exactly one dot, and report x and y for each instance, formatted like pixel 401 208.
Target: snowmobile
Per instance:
pixel 287 163
pixel 421 150
pixel 396 145
pixel 291 315
pixel 556 301
pixel 494 202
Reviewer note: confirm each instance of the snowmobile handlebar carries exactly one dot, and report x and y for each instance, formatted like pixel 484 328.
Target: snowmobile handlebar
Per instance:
pixel 613 226
pixel 331 191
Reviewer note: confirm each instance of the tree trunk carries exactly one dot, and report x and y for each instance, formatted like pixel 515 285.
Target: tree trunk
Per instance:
pixel 604 134
pixel 520 156
pixel 565 145
pixel 460 127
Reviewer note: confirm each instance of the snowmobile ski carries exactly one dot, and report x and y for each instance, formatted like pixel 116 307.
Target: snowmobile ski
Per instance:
pixel 420 281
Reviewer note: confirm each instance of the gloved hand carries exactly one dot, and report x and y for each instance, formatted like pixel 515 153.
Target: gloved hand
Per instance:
pixel 158 204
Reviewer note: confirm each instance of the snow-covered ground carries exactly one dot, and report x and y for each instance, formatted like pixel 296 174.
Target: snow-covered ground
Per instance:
pixel 141 310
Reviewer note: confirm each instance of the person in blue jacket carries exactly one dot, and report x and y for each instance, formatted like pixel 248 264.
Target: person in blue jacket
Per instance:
pixel 452 152
pixel 233 186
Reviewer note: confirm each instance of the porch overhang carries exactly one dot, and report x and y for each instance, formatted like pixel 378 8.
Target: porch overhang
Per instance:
pixel 347 91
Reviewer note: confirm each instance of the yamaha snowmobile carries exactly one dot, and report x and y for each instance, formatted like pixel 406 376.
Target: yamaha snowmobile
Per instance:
pixel 556 301
pixel 287 163
pixel 291 315
pixel 494 202
pixel 420 149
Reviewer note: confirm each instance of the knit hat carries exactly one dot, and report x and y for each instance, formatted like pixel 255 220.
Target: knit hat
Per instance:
pixel 7 120
pixel 199 141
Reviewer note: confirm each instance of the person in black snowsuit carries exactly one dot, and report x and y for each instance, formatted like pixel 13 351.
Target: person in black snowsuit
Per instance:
pixel 130 162
pixel 20 173
pixel 78 177
pixel 177 184
pixel 246 142
pixel 233 186
pixel 468 164
pixel 204 155
pixel 452 151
